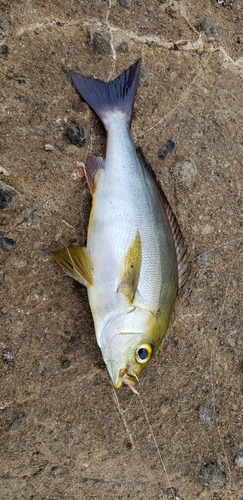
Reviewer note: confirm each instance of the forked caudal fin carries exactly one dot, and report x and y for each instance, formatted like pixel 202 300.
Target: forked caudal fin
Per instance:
pixel 108 97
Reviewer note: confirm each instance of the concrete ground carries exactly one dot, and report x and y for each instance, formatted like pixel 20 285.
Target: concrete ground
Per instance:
pixel 65 432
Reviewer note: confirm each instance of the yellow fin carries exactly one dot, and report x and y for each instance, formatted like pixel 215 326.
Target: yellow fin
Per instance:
pixel 76 263
pixel 131 269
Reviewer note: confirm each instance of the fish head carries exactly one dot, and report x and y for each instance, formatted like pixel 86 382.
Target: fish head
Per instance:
pixel 128 342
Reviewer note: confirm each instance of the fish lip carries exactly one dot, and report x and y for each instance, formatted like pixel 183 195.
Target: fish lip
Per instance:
pixel 127 377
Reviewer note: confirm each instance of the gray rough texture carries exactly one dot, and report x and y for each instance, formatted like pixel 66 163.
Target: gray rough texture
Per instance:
pixel 212 477
pixel 206 417
pixel 63 433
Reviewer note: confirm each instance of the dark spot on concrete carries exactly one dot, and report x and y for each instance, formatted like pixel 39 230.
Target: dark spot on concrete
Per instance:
pixel 65 364
pixel 125 3
pixel 100 44
pixel 7 244
pixel 77 135
pixel 212 477
pixel 167 150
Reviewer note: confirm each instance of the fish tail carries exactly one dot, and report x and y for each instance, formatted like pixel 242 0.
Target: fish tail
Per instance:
pixel 109 97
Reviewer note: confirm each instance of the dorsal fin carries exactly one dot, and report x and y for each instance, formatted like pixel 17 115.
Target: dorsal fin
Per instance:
pixel 180 247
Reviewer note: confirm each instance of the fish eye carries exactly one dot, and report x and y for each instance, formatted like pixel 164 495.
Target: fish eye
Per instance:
pixel 143 353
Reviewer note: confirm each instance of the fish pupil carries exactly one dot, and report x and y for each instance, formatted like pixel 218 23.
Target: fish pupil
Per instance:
pixel 142 353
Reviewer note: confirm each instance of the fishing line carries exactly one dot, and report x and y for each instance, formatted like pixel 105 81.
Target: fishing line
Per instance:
pixel 157 448
pixel 127 429
pixel 212 371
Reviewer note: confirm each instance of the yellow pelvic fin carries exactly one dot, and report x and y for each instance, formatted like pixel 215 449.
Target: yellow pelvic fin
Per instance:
pixel 131 269
pixel 76 263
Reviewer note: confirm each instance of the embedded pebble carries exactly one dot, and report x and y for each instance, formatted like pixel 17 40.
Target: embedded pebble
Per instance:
pixel 6 278
pixel 48 147
pixel 187 172
pixel 206 417
pixel 144 80
pixel 211 29
pixel 77 135
pixel 8 196
pixel 224 164
pixel 65 364
pixel 123 47
pixel 125 3
pixel 203 260
pixel 7 244
pixel 239 461
pixel 8 356
pixel 212 477
pixel 100 43
pixel 167 150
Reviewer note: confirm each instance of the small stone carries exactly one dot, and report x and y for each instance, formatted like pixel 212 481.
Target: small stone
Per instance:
pixel 46 251
pixel 123 47
pixel 6 278
pixel 8 356
pixel 48 147
pixel 5 199
pixel 212 477
pixel 125 3
pixel 232 342
pixel 206 417
pixel 144 80
pixel 65 364
pixel 227 325
pixel 167 150
pixel 203 260
pixel 224 164
pixel 139 3
pixel 227 211
pixel 4 49
pixel 8 196
pixel 5 24
pixel 77 135
pixel 239 461
pixel 187 172
pixel 7 244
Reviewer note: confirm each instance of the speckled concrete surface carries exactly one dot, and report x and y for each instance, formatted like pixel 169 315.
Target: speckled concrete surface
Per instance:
pixel 65 433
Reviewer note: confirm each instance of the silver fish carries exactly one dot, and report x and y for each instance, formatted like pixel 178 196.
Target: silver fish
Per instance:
pixel 135 260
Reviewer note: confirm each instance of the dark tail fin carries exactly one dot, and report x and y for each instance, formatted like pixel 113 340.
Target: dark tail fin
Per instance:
pixel 108 97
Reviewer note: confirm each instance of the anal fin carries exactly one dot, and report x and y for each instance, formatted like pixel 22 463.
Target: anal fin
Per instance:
pixel 94 164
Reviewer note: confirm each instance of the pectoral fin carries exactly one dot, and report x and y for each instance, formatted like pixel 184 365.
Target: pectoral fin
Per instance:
pixel 76 263
pixel 131 269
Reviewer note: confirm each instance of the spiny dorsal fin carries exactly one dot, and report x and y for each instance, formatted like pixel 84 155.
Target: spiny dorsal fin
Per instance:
pixel 131 269
pixel 93 165
pixel 180 247
pixel 76 263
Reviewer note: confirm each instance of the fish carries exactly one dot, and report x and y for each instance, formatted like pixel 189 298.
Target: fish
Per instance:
pixel 135 260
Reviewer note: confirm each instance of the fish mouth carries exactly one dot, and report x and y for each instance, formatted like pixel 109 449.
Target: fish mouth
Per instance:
pixel 127 377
